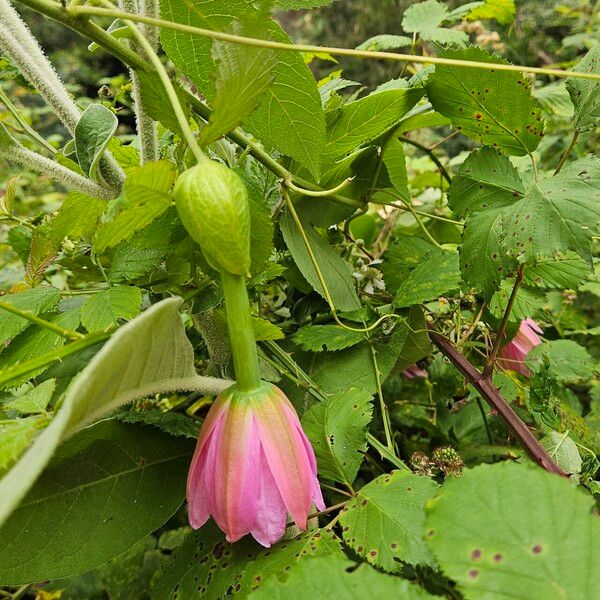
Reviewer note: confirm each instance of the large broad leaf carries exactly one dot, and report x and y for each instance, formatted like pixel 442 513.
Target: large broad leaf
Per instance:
pixel 337 429
pixel 146 198
pixel 364 120
pixel 384 522
pixel 425 18
pixel 205 565
pixel 585 93
pixel 336 272
pixel 116 483
pixel 568 361
pixel 336 577
pixel 493 107
pixel 104 309
pixel 34 301
pixel 93 131
pixel 149 354
pixel 520 533
pixel 243 74
pixel 560 213
pixel 487 179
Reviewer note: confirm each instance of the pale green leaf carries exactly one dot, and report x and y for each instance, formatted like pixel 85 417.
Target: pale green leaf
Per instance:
pixel 425 18
pixel 16 435
pixel 563 450
pixel 265 330
pixel 34 400
pixel 526 533
pixel 491 106
pixel 385 42
pixel 35 301
pixel 6 140
pixel 106 308
pixel 150 354
pixel 299 4
pixel 567 360
pixel 503 11
pixel 527 303
pixel 318 338
pixel 384 522
pixel 336 272
pixel 337 429
pixel 77 217
pixel 585 93
pixel 93 131
pixel 116 482
pixel 364 120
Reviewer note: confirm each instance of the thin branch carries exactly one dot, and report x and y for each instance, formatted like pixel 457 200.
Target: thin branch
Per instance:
pixel 492 396
pixel 429 153
pixel 567 152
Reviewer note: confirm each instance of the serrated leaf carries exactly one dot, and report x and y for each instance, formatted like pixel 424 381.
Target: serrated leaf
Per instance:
pixel 567 360
pixel 150 353
pixel 106 308
pixel 147 197
pixel 527 303
pixel 35 301
pixel 34 400
pixel 385 42
pixel 117 482
pixel 404 254
pixel 93 131
pixel 336 577
pixel 16 435
pixel 487 179
pixel 533 552
pixel 558 214
pixel 394 160
pixel 130 262
pixel 265 330
pixel 364 120
pixel 437 275
pixel 318 338
pixel 563 450
pixel 335 271
pixel 337 429
pixel 425 18
pixel 564 270
pixel 243 75
pixel 77 218
pixel 173 423
pixel 299 4
pixel 585 92
pixel 493 107
pixel 503 11
pixel 384 522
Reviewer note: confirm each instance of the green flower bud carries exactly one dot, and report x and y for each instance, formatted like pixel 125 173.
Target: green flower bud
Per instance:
pixel 212 202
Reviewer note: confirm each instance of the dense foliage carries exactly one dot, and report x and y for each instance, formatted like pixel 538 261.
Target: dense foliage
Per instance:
pixel 407 221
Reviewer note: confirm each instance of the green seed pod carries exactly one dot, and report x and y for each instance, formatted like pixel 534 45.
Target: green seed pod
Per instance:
pixel 212 202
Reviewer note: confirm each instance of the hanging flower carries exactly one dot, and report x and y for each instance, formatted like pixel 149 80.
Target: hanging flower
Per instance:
pixel 513 355
pixel 414 371
pixel 252 467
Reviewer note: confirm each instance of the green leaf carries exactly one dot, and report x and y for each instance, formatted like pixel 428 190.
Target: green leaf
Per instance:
pixel 205 564
pixel 151 353
pixel 170 422
pixel 337 429
pixel 318 338
pixel 563 450
pixel 558 214
pixel 404 254
pixel 487 179
pixel 527 303
pixel 384 522
pixel 6 140
pixel 336 272
pixel 34 400
pixel 564 270
pixel 425 19
pixel 299 4
pixel 130 262
pixel 364 120
pixel 243 75
pixel 500 552
pixel 336 577
pixel 503 11
pixel 493 107
pixel 385 42
pixel 265 330
pixel 93 131
pixel 104 309
pixel 116 482
pixel 437 275
pixel 77 218
pixel 585 92
pixel 568 361
pixel 147 196
pixel 36 301
pixel 16 435
pixel 394 160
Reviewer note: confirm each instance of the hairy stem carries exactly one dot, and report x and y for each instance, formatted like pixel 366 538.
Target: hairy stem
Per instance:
pixel 66 333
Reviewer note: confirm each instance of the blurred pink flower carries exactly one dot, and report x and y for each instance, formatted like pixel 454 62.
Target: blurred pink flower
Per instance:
pixel 253 465
pixel 414 371
pixel 513 355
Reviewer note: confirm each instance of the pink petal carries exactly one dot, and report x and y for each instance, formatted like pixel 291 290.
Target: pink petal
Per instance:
pixel 287 458
pixel 236 475
pixel 269 525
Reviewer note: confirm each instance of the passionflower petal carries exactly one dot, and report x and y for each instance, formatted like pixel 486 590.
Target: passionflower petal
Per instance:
pixel 253 466
pixel 513 355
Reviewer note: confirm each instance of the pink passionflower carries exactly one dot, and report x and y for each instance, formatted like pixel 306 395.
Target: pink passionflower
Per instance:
pixel 513 355
pixel 253 465
pixel 414 371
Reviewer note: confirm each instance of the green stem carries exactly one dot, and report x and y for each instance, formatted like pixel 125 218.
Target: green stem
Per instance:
pixel 241 332
pixel 385 453
pixel 567 152
pixel 370 54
